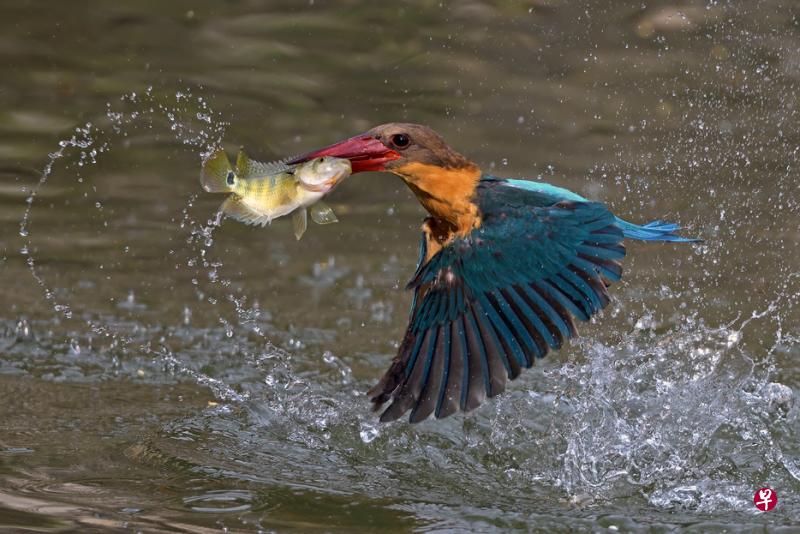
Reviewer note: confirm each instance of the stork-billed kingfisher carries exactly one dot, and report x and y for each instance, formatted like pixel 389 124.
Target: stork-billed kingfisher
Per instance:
pixel 504 266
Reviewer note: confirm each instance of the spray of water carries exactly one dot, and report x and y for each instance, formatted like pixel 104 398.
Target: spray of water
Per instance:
pixel 194 124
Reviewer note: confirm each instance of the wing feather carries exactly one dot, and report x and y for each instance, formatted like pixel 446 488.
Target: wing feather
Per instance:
pixel 432 376
pixel 453 383
pixel 493 362
pixel 488 304
pixel 478 378
pixel 540 334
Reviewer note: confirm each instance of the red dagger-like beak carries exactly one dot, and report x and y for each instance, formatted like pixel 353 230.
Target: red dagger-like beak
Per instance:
pixel 364 152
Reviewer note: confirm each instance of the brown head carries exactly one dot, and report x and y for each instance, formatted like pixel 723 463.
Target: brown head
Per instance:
pixel 443 180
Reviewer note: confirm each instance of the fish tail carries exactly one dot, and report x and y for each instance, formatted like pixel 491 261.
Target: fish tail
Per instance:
pixel 654 231
pixel 217 176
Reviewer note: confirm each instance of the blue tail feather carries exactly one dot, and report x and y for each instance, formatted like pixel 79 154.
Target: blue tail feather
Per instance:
pixel 654 231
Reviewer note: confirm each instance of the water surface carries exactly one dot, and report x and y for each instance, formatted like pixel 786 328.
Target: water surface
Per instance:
pixel 161 372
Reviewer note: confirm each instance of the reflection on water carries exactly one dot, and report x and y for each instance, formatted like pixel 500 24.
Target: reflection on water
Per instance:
pixel 167 370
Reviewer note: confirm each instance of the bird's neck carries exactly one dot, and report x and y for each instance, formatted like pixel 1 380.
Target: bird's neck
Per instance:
pixel 447 193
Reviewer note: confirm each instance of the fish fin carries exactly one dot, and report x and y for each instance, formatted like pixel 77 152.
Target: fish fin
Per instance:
pixel 259 168
pixel 234 208
pixel 217 175
pixel 300 220
pixel 321 213
pixel 250 168
pixel 241 161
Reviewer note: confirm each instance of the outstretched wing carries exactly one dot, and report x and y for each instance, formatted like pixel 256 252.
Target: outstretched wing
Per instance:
pixel 488 304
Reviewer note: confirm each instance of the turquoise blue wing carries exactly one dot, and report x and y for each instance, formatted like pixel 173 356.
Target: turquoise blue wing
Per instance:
pixel 652 231
pixel 488 304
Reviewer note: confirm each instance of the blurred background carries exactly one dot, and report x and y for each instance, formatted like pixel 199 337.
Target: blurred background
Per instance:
pixel 160 372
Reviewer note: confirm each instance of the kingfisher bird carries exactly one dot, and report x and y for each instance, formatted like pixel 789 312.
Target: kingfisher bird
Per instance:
pixel 504 267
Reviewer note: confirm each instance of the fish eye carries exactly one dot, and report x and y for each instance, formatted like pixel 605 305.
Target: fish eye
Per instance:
pixel 231 178
pixel 400 140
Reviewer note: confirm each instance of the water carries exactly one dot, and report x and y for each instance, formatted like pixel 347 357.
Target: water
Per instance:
pixel 163 369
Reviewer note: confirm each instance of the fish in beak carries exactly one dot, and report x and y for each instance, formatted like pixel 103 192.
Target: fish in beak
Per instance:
pixel 365 152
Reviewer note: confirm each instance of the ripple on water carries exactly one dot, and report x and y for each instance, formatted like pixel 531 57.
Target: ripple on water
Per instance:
pixel 220 502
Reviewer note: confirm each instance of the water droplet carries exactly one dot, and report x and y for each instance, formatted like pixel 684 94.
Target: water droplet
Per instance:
pixel 23 329
pixel 369 432
pixel 734 337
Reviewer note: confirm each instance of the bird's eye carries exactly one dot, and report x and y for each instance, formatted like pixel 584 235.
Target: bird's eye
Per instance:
pixel 401 141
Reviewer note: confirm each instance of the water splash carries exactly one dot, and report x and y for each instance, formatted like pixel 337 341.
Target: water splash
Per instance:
pixel 215 288
pixel 692 421
pixel 689 422
pixel 220 390
pixel 193 123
